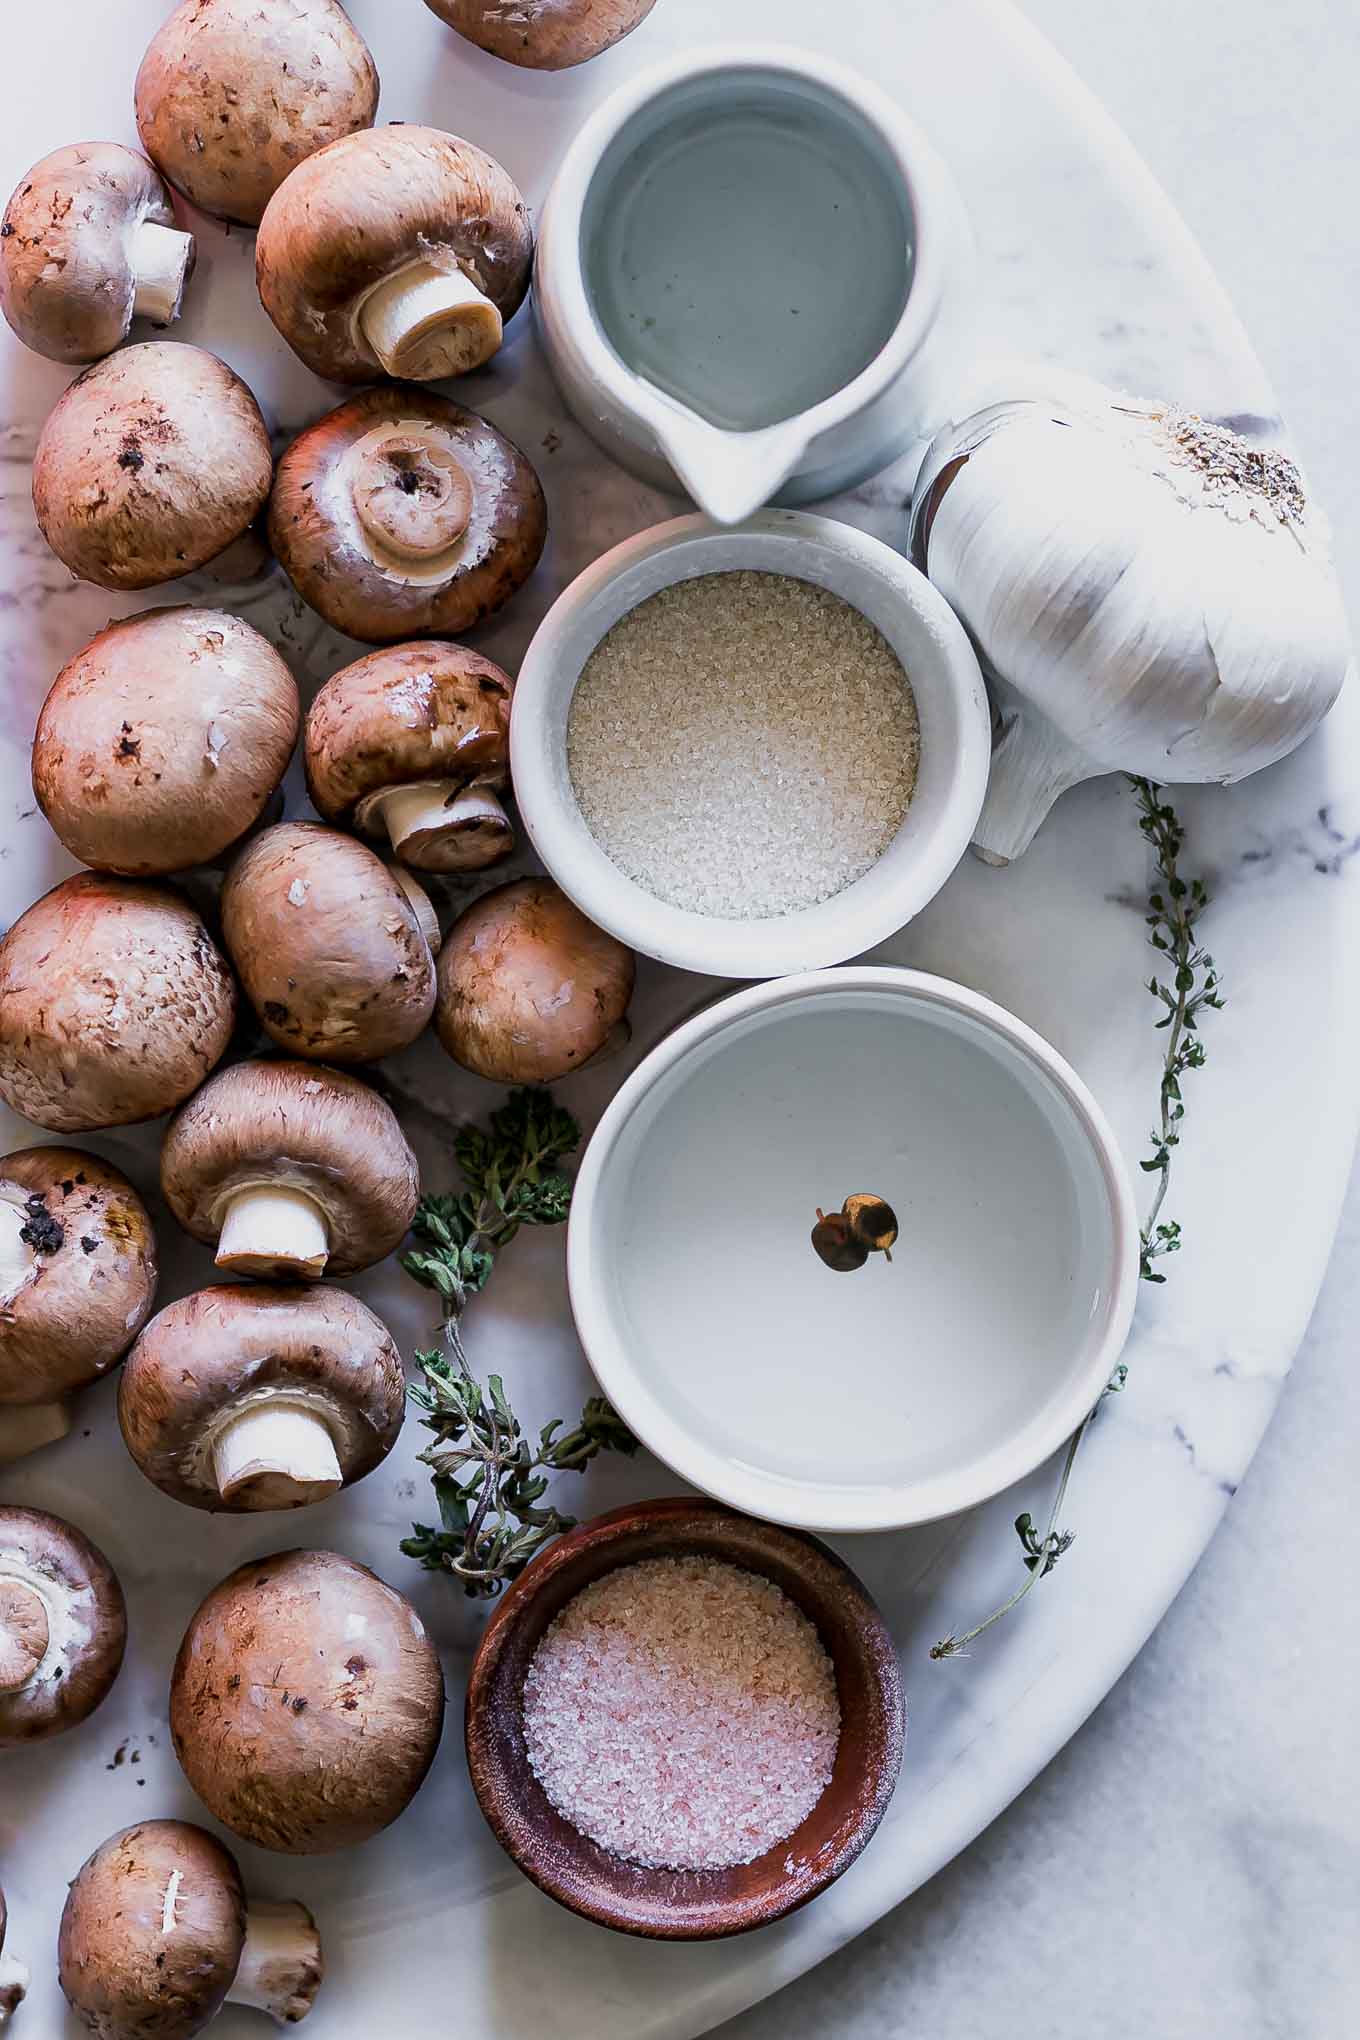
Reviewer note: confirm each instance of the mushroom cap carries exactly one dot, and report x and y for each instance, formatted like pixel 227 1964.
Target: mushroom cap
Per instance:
pixel 92 1280
pixel 152 1932
pixel 232 96
pixel 369 205
pixel 297 1126
pixel 329 556
pixel 149 465
pixel 114 1004
pixel 410 712
pixel 529 989
pixel 67 266
pixel 306 1702
pixel 87 1624
pixel 160 744
pixel 549 36
pixel 328 945
pixel 203 1360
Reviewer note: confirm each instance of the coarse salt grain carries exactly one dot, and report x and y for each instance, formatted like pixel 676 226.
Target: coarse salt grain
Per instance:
pixel 743 744
pixel 682 1712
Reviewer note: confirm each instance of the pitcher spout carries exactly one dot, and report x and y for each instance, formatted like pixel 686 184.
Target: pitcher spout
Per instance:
pixel 729 474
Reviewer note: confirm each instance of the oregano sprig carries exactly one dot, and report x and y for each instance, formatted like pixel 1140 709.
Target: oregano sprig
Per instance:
pixel 1185 985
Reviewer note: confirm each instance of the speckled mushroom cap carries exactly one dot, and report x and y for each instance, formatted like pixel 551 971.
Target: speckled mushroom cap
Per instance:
pixel 297 1126
pixel 529 989
pixel 306 1702
pixel 233 94
pixel 85 1279
pixel 114 1004
pixel 369 206
pixel 69 249
pixel 402 515
pixel 203 1360
pixel 411 713
pixel 152 1932
pixel 328 945
pixel 149 465
pixel 63 1626
pixel 547 35
pixel 161 743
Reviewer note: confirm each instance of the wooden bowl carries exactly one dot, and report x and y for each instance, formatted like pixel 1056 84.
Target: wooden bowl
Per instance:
pixel 687 1905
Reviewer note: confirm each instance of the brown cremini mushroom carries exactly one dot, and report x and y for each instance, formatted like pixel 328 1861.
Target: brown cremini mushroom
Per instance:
pixel 293 1169
pixel 306 1702
pixel 398 251
pixel 163 741
pixel 245 1398
pixel 545 35
pixel 88 244
pixel 63 1626
pixel 529 989
pixel 114 1004
pixel 232 95
pixel 157 1935
pixel 150 464
pixel 14 1977
pixel 413 744
pixel 328 944
pixel 77 1281
pixel 401 515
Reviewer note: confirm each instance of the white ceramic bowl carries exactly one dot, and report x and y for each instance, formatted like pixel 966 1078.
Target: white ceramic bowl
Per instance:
pixel 900 1392
pixel 951 702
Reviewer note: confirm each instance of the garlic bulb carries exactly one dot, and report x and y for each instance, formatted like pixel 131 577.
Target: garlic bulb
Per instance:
pixel 1149 593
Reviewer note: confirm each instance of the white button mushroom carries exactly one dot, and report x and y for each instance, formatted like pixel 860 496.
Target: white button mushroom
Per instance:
pixel 306 1702
pixel 529 989
pixel 401 515
pixel 14 1977
pixel 293 1170
pixel 157 1935
pixel 328 945
pixel 161 743
pixel 63 1626
pixel 400 250
pixel 77 1281
pixel 413 744
pixel 149 466
pixel 89 243
pixel 114 1004
pixel 231 97
pixel 245 1398
pixel 550 35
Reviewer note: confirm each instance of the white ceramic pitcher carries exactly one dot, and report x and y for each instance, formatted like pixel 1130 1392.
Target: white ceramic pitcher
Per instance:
pixel 897 286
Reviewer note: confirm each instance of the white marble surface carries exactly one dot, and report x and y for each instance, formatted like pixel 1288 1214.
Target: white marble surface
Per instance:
pixel 1080 261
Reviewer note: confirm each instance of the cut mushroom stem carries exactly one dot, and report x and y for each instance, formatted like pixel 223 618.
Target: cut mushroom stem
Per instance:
pixel 277 1454
pixel 14 1982
pixel 280 1962
pixel 421 905
pixel 25 1633
pixel 272 1230
pixel 438 825
pixel 31 1426
pixel 411 494
pixel 425 322
pixel 162 263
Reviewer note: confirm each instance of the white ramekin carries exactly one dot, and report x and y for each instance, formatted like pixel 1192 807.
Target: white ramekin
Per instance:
pixel 950 699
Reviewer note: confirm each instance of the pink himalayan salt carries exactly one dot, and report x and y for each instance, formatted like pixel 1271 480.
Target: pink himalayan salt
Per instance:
pixel 683 1713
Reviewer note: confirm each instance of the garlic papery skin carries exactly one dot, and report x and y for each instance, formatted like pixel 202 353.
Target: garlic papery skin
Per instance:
pixel 1149 593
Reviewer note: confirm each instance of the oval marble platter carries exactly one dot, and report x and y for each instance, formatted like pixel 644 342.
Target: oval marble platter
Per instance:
pixel 1083 262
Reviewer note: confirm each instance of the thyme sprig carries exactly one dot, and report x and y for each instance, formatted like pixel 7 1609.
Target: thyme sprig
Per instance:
pixel 488 1480
pixel 1185 986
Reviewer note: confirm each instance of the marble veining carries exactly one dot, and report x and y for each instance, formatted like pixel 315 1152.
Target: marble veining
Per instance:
pixel 1082 263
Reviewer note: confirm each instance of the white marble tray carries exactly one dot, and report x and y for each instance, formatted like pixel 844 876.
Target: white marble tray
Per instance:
pixel 1083 261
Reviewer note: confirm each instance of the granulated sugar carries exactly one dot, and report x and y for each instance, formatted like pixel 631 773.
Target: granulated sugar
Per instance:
pixel 683 1713
pixel 743 744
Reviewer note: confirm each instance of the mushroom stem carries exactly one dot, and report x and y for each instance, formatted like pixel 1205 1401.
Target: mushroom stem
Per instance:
pixel 280 1970
pixel 277 1454
pixel 424 322
pixel 25 1633
pixel 423 907
pixel 273 1231
pixel 162 263
pixel 13 1986
pixel 438 825
pixel 30 1426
